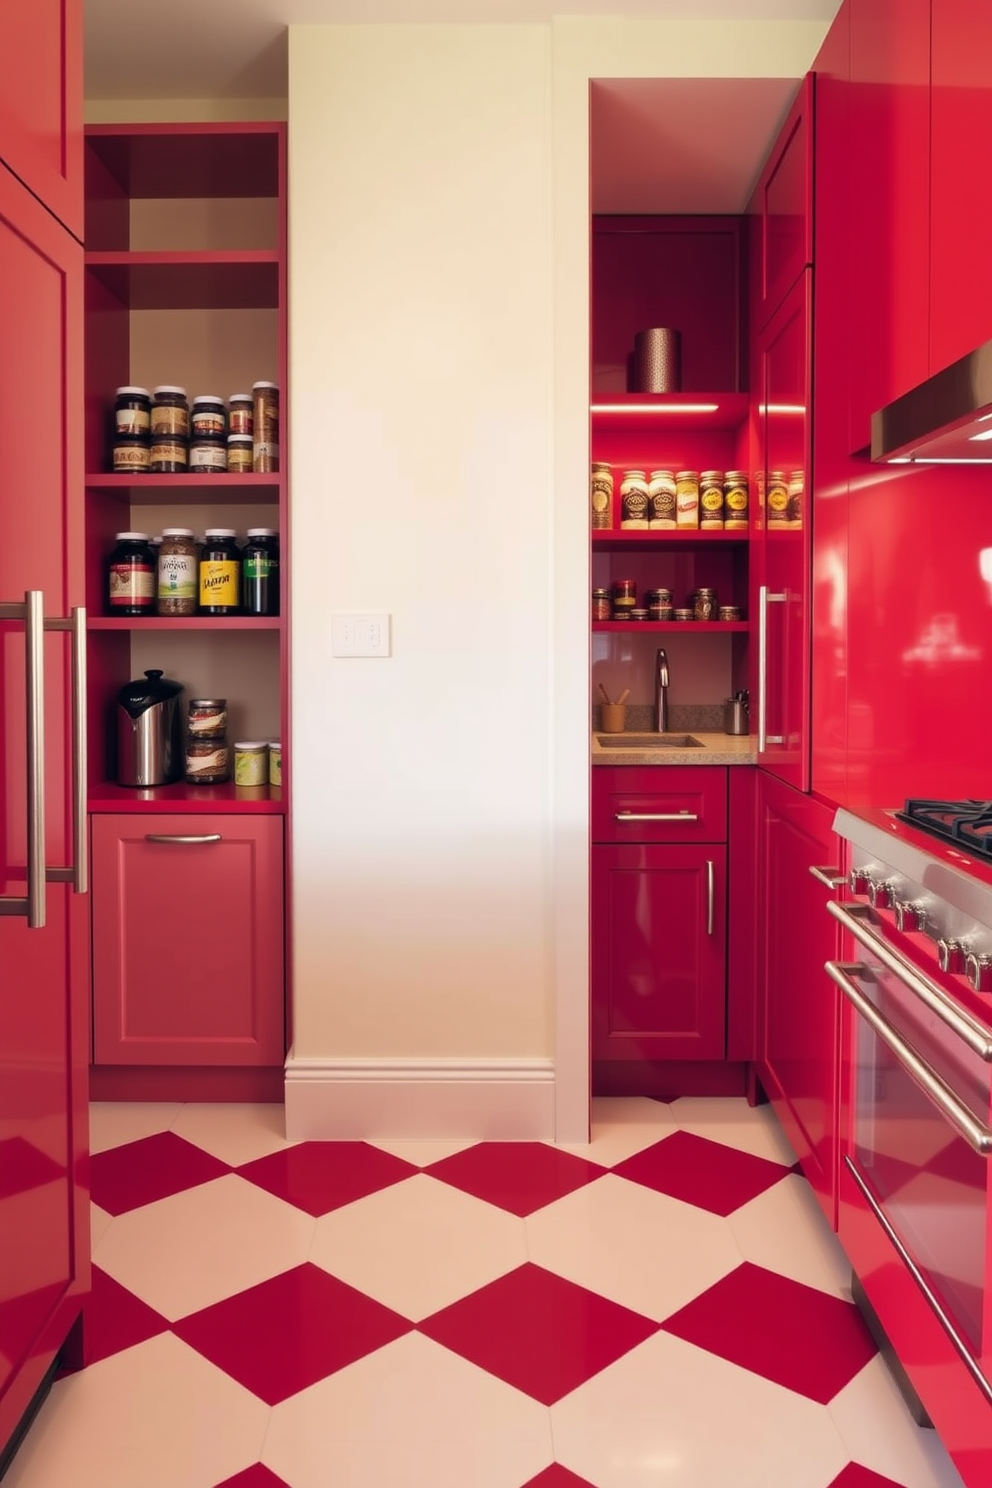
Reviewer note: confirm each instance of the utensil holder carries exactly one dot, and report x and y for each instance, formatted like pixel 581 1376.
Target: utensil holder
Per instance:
pixel 735 716
pixel 613 717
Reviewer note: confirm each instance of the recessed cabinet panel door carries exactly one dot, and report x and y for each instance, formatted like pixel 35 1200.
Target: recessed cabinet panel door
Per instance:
pixel 187 940
pixel 658 960
pixel 41 102
pixel 785 197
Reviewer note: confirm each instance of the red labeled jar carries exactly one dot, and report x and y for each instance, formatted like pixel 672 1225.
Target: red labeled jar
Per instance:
pixel 131 571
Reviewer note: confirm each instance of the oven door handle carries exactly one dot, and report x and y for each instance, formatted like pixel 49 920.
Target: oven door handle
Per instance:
pixel 978 1137
pixel 855 918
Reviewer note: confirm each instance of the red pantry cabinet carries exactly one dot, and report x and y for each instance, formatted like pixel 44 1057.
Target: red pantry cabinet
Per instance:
pixel 44 1224
pixel 783 205
pixel 41 102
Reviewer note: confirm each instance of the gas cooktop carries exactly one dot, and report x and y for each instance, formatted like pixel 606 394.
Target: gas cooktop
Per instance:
pixel 965 824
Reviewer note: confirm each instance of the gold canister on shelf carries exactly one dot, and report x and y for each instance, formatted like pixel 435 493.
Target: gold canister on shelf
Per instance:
pixel 687 498
pixel 794 511
pixel 265 411
pixel 711 500
pixel 777 500
pixel 634 500
pixel 661 500
pixel 601 497
pixel 735 501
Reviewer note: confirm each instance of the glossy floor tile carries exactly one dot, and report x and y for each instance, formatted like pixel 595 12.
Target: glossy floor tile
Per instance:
pixel 661 1307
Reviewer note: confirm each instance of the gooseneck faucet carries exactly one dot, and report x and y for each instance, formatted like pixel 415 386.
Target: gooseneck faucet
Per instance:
pixel 661 691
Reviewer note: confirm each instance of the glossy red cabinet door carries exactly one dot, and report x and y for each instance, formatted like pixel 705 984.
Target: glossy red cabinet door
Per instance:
pixel 187 940
pixel 784 203
pixel 889 217
pixel 799 1056
pixel 782 545
pixel 658 954
pixel 960 197
pixel 41 102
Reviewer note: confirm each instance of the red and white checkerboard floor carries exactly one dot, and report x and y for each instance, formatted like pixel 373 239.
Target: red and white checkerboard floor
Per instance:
pixel 663 1307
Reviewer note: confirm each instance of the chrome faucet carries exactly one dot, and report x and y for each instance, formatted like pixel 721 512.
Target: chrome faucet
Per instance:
pixel 661 691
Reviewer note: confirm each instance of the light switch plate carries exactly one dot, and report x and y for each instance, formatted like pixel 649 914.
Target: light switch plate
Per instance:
pixel 360 634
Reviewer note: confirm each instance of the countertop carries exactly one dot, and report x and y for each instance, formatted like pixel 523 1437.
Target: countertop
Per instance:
pixel 717 749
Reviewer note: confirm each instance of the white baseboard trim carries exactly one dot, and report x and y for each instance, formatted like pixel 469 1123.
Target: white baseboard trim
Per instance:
pixel 496 1100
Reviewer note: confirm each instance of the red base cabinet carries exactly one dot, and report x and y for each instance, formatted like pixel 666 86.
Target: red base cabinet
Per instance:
pixel 187 940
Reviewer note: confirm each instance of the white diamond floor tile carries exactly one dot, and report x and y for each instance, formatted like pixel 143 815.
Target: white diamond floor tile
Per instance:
pixel 879 1432
pixel 235 1134
pixel 784 1230
pixel 732 1121
pixel 112 1124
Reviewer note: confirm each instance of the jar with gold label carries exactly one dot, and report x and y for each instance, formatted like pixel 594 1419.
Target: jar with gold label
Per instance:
pixel 169 412
pixel 794 511
pixel 661 500
pixel 265 419
pixel 208 761
pixel 777 500
pixel 601 497
pixel 132 456
pixel 220 573
pixel 735 486
pixel 169 455
pixel 624 597
pixel 239 454
pixel 711 501
pixel 634 500
pixel 687 499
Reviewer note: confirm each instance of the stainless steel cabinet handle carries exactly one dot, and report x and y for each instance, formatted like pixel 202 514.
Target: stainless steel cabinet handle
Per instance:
pixel 975 1034
pixel 764 600
pixel 831 878
pixel 32 905
pixel 978 1137
pixel 710 896
pixel 168 837
pixel 78 875
pixel 675 816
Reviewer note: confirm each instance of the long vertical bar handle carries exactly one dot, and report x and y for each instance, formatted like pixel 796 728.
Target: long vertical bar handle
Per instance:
pixel 762 667
pixel 710 896
pixel 34 636
pixel 80 847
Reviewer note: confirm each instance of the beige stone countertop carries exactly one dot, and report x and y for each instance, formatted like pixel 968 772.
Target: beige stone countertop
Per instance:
pixel 717 749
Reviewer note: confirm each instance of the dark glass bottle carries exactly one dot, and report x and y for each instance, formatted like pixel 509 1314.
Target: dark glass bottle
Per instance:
pixel 260 572
pixel 131 576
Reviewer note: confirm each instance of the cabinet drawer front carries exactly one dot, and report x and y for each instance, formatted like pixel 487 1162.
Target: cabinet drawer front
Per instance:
pixel 660 804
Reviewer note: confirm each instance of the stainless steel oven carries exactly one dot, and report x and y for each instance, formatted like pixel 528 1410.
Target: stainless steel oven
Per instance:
pixel 916 1126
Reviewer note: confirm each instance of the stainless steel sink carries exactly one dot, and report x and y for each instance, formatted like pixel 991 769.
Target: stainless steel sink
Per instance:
pixel 648 741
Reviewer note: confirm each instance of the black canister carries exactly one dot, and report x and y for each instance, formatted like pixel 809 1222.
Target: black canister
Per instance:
pixel 260 572
pixel 149 731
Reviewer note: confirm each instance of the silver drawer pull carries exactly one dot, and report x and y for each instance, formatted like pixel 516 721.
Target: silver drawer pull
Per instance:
pixel 676 816
pixel 831 878
pixel 30 612
pixel 166 837
pixel 710 896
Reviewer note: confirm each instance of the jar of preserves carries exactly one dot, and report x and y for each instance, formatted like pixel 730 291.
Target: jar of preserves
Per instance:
pixel 260 572
pixel 208 761
pixel 131 575
pixel 683 615
pixel 132 414
pixel 711 501
pixel 208 455
pixel 624 595
pixel 687 498
pixel 240 418
pixel 777 500
pixel 240 456
pixel 275 763
pixel 170 412
pixel 704 604
pixel 220 573
pixel 661 500
pixel 265 432
pixel 132 456
pixel 176 586
pixel 208 418
pixel 661 611
pixel 729 612
pixel 601 606
pixel 639 613
pixel 634 500
pixel 601 497
pixel 251 762
pixel 170 455
pixel 735 517
pixel 207 718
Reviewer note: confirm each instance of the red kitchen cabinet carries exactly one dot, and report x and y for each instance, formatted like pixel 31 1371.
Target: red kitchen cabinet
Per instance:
pixel 44 1224
pixel 188 940
pixel 889 214
pixel 781 548
pixel 783 201
pixel 960 201
pixel 798 1059
pixel 41 102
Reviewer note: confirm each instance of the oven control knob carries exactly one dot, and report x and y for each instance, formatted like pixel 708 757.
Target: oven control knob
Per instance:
pixel 859 880
pixel 909 916
pixel 880 895
pixel 950 955
pixel 979 972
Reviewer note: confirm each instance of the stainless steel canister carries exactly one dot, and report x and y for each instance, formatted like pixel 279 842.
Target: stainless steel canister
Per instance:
pixel 657 361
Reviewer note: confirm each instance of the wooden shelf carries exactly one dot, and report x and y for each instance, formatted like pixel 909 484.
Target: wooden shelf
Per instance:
pixel 182 622
pixel 192 490
pixel 701 627
pixel 614 540
pixel 204 800
pixel 702 412
pixel 216 280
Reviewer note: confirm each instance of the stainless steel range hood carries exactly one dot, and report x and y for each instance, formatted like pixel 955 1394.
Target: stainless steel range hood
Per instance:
pixel 947 419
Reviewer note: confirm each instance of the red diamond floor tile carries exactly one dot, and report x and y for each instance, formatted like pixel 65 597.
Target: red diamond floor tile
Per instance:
pixel 856 1476
pixel 800 1337
pixel 538 1332
pixel 285 1334
pixel 517 1176
pixel 256 1476
pixel 320 1176
pixel 138 1173
pixel 116 1319
pixel 708 1174
pixel 557 1476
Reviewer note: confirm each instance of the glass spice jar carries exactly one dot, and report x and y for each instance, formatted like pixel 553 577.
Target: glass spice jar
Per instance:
pixel 176 587
pixel 601 497
pixel 661 500
pixel 634 500
pixel 131 575
pixel 207 718
pixel 624 594
pixel 601 606
pixel 240 416
pixel 735 517
pixel 239 454
pixel 711 501
pixel 251 762
pixel 169 412
pixel 208 761
pixel 265 414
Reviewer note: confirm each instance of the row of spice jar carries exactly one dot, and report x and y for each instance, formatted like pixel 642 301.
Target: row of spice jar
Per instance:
pixel 178 574
pixel 257 762
pixel 620 603
pixel 161 433
pixel 671 500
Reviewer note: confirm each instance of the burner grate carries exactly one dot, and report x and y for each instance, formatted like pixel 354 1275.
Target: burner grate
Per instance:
pixel 966 824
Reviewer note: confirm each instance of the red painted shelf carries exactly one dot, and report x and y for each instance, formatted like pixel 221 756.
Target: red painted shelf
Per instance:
pixel 168 490
pixel 613 540
pixel 704 412
pixel 185 160
pixel 218 280
pixel 703 627
pixel 203 800
pixel 182 622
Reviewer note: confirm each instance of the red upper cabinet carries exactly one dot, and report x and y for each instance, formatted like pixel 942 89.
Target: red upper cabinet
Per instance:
pixel 41 102
pixel 890 204
pixel 783 202
pixel 960 200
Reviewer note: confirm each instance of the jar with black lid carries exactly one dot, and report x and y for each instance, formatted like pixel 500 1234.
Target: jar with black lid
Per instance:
pixel 131 575
pixel 220 573
pixel 170 412
pixel 260 572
